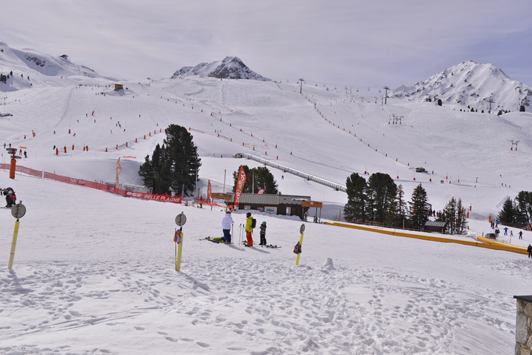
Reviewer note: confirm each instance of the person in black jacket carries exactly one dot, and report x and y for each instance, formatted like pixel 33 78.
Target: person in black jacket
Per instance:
pixel 10 196
pixel 529 251
pixel 263 233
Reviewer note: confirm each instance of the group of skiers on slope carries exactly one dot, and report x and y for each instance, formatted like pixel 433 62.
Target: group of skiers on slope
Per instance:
pixel 20 150
pixel 495 225
pixel 11 198
pixel 227 222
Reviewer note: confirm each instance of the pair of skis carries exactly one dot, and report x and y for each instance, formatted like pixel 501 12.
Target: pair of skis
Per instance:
pixel 210 239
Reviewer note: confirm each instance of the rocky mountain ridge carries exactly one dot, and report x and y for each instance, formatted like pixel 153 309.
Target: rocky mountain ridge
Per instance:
pixel 471 86
pixel 26 68
pixel 228 68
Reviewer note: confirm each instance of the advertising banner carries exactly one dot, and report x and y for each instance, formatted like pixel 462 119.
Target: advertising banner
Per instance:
pixel 240 185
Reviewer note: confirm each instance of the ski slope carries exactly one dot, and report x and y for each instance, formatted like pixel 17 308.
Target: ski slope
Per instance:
pixel 470 152
pixel 94 272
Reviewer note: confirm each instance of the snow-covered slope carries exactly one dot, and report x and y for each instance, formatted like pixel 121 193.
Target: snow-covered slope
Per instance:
pixel 94 272
pixel 229 68
pixel 26 68
pixel 470 85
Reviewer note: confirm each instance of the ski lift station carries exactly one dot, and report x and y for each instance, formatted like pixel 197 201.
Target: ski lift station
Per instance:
pixel 288 205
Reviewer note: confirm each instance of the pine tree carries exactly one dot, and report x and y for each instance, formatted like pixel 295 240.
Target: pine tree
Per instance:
pixel 172 166
pixel 524 207
pixel 400 219
pixel 418 217
pixel 264 180
pixel 461 220
pixel 507 214
pixel 183 158
pixel 153 172
pixel 449 216
pixel 261 177
pixel 381 192
pixel 355 208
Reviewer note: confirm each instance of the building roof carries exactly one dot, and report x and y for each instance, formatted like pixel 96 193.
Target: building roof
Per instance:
pixel 435 224
pixel 524 298
pixel 270 199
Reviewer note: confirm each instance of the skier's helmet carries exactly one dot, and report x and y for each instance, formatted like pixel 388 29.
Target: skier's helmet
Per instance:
pixel 248 214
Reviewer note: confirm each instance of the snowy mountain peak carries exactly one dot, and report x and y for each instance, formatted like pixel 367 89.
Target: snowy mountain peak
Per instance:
pixel 473 85
pixel 228 68
pixel 22 69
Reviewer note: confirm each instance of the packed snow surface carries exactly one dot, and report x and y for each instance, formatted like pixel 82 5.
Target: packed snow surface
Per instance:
pixel 94 273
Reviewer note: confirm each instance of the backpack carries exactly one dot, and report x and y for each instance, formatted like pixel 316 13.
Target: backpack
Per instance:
pixel 297 248
pixel 253 223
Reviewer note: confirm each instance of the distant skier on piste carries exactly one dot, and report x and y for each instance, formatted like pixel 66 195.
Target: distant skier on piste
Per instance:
pixel 249 229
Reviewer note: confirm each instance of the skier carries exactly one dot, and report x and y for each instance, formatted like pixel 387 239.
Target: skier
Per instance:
pixel 25 154
pixel 249 229
pixel 497 231
pixel 227 221
pixel 263 233
pixel 529 251
pixel 505 230
pixel 520 234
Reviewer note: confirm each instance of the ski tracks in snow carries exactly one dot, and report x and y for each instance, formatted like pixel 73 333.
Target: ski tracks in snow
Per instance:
pixel 256 307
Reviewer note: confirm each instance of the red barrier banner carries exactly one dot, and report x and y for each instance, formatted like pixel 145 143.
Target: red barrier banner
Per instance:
pixel 151 197
pixel 29 171
pixel 94 185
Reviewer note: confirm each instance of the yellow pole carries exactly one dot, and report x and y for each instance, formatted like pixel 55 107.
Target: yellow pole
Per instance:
pixel 178 259
pixel 13 246
pixel 300 243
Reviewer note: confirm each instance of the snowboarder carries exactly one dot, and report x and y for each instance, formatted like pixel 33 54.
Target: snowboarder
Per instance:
pixel 249 229
pixel 227 221
pixel 529 251
pixel 263 233
pixel 520 234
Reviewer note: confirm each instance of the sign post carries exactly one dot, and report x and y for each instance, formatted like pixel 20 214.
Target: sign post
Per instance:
pixel 17 211
pixel 301 230
pixel 180 220
pixel 13 165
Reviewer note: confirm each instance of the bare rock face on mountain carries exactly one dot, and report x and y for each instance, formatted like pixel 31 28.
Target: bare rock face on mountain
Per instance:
pixel 229 68
pixel 471 86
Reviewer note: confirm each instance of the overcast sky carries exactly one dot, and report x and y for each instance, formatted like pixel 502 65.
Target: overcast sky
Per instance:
pixel 342 42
